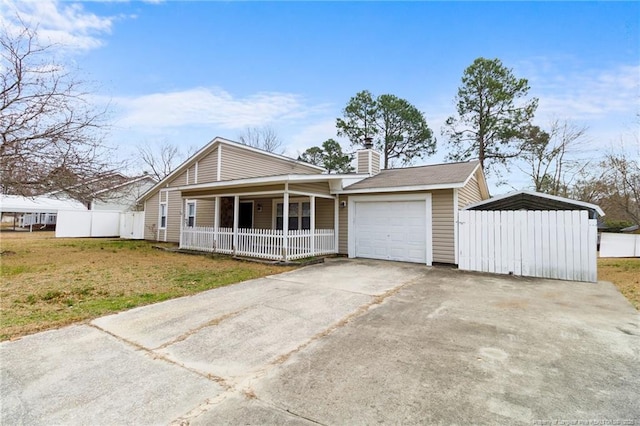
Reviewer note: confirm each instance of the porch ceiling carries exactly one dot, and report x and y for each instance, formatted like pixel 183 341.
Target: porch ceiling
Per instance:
pixel 262 186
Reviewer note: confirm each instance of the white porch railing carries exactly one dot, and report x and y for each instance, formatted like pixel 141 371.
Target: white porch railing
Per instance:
pixel 260 243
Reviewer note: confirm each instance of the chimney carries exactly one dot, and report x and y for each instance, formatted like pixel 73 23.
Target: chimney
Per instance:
pixel 368 159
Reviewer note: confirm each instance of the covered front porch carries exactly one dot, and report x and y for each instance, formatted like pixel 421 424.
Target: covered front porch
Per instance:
pixel 251 220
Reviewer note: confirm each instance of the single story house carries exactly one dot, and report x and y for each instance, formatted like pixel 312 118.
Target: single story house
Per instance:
pixel 235 199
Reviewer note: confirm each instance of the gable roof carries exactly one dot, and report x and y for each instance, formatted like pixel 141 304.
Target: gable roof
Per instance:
pixel 130 181
pixel 531 200
pixel 436 176
pixel 202 152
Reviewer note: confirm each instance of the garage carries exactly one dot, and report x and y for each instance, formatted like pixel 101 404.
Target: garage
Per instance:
pixel 391 228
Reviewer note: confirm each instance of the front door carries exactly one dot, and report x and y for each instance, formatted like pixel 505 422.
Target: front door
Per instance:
pixel 245 216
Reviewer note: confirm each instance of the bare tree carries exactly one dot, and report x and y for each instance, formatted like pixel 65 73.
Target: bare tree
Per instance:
pixel 51 136
pixel 622 180
pixel 613 184
pixel 265 138
pixel 550 156
pixel 160 160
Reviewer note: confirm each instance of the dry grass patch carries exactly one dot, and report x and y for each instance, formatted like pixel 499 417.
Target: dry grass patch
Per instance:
pixel 48 282
pixel 625 274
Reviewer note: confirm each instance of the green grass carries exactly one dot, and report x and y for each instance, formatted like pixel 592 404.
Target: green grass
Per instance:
pixel 47 282
pixel 624 274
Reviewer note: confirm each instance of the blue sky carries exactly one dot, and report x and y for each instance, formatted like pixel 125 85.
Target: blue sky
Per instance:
pixel 188 71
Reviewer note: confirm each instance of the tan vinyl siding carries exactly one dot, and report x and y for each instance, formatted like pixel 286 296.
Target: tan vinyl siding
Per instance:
pixel 362 164
pixel 179 180
pixel 238 164
pixel 315 188
pixel 324 213
pixel 151 218
pixel 205 212
pixel 208 167
pixel 262 219
pixel 442 226
pixel 174 211
pixel 469 194
pixel 343 230
pixel 375 162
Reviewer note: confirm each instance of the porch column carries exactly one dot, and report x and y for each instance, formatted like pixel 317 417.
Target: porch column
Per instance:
pixel 285 223
pixel 336 220
pixel 216 223
pixel 236 216
pixel 182 216
pixel 312 228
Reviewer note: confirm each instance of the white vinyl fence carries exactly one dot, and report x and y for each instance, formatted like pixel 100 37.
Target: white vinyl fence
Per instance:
pixel 132 225
pixel 260 243
pixel 548 244
pixel 92 223
pixel 100 223
pixel 619 245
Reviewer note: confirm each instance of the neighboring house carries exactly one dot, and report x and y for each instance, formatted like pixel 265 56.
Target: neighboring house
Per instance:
pixel 122 196
pixel 117 193
pixel 111 191
pixel 40 212
pixel 231 198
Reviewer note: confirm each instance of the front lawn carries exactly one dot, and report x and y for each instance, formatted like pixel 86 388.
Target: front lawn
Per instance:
pixel 49 282
pixel 625 274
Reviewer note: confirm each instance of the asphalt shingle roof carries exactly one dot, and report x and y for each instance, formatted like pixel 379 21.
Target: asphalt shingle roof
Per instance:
pixel 437 174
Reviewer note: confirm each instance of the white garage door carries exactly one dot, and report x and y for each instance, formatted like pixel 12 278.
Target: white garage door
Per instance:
pixel 391 230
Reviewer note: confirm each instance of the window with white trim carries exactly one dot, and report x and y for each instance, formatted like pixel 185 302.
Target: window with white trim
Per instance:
pixel 299 215
pixel 163 215
pixel 191 214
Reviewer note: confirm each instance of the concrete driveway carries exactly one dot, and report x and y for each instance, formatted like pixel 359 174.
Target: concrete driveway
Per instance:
pixel 341 343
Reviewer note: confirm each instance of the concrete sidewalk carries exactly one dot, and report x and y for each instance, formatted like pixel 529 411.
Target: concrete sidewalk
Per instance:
pixel 169 361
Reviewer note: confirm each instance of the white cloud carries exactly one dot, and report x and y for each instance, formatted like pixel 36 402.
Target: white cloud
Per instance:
pixel 313 135
pixel 68 25
pixel 588 94
pixel 202 106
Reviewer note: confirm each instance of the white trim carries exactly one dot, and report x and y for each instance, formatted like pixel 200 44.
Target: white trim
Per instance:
pixel 426 197
pixel 285 223
pixel 292 200
pixel 219 166
pixel 209 147
pixel 292 178
pixel 232 194
pixel 167 220
pixel 195 174
pixel 395 189
pixel 187 176
pixel 166 216
pixel 186 211
pixel 336 222
pixel 537 194
pixel 455 224
pixel 482 187
pixel 312 223
pixel 236 215
pixel 370 161
pixel 311 194
pixel 216 221
pixel 466 181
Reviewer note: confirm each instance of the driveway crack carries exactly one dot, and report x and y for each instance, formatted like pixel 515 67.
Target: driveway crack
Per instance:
pixel 191 332
pixel 154 355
